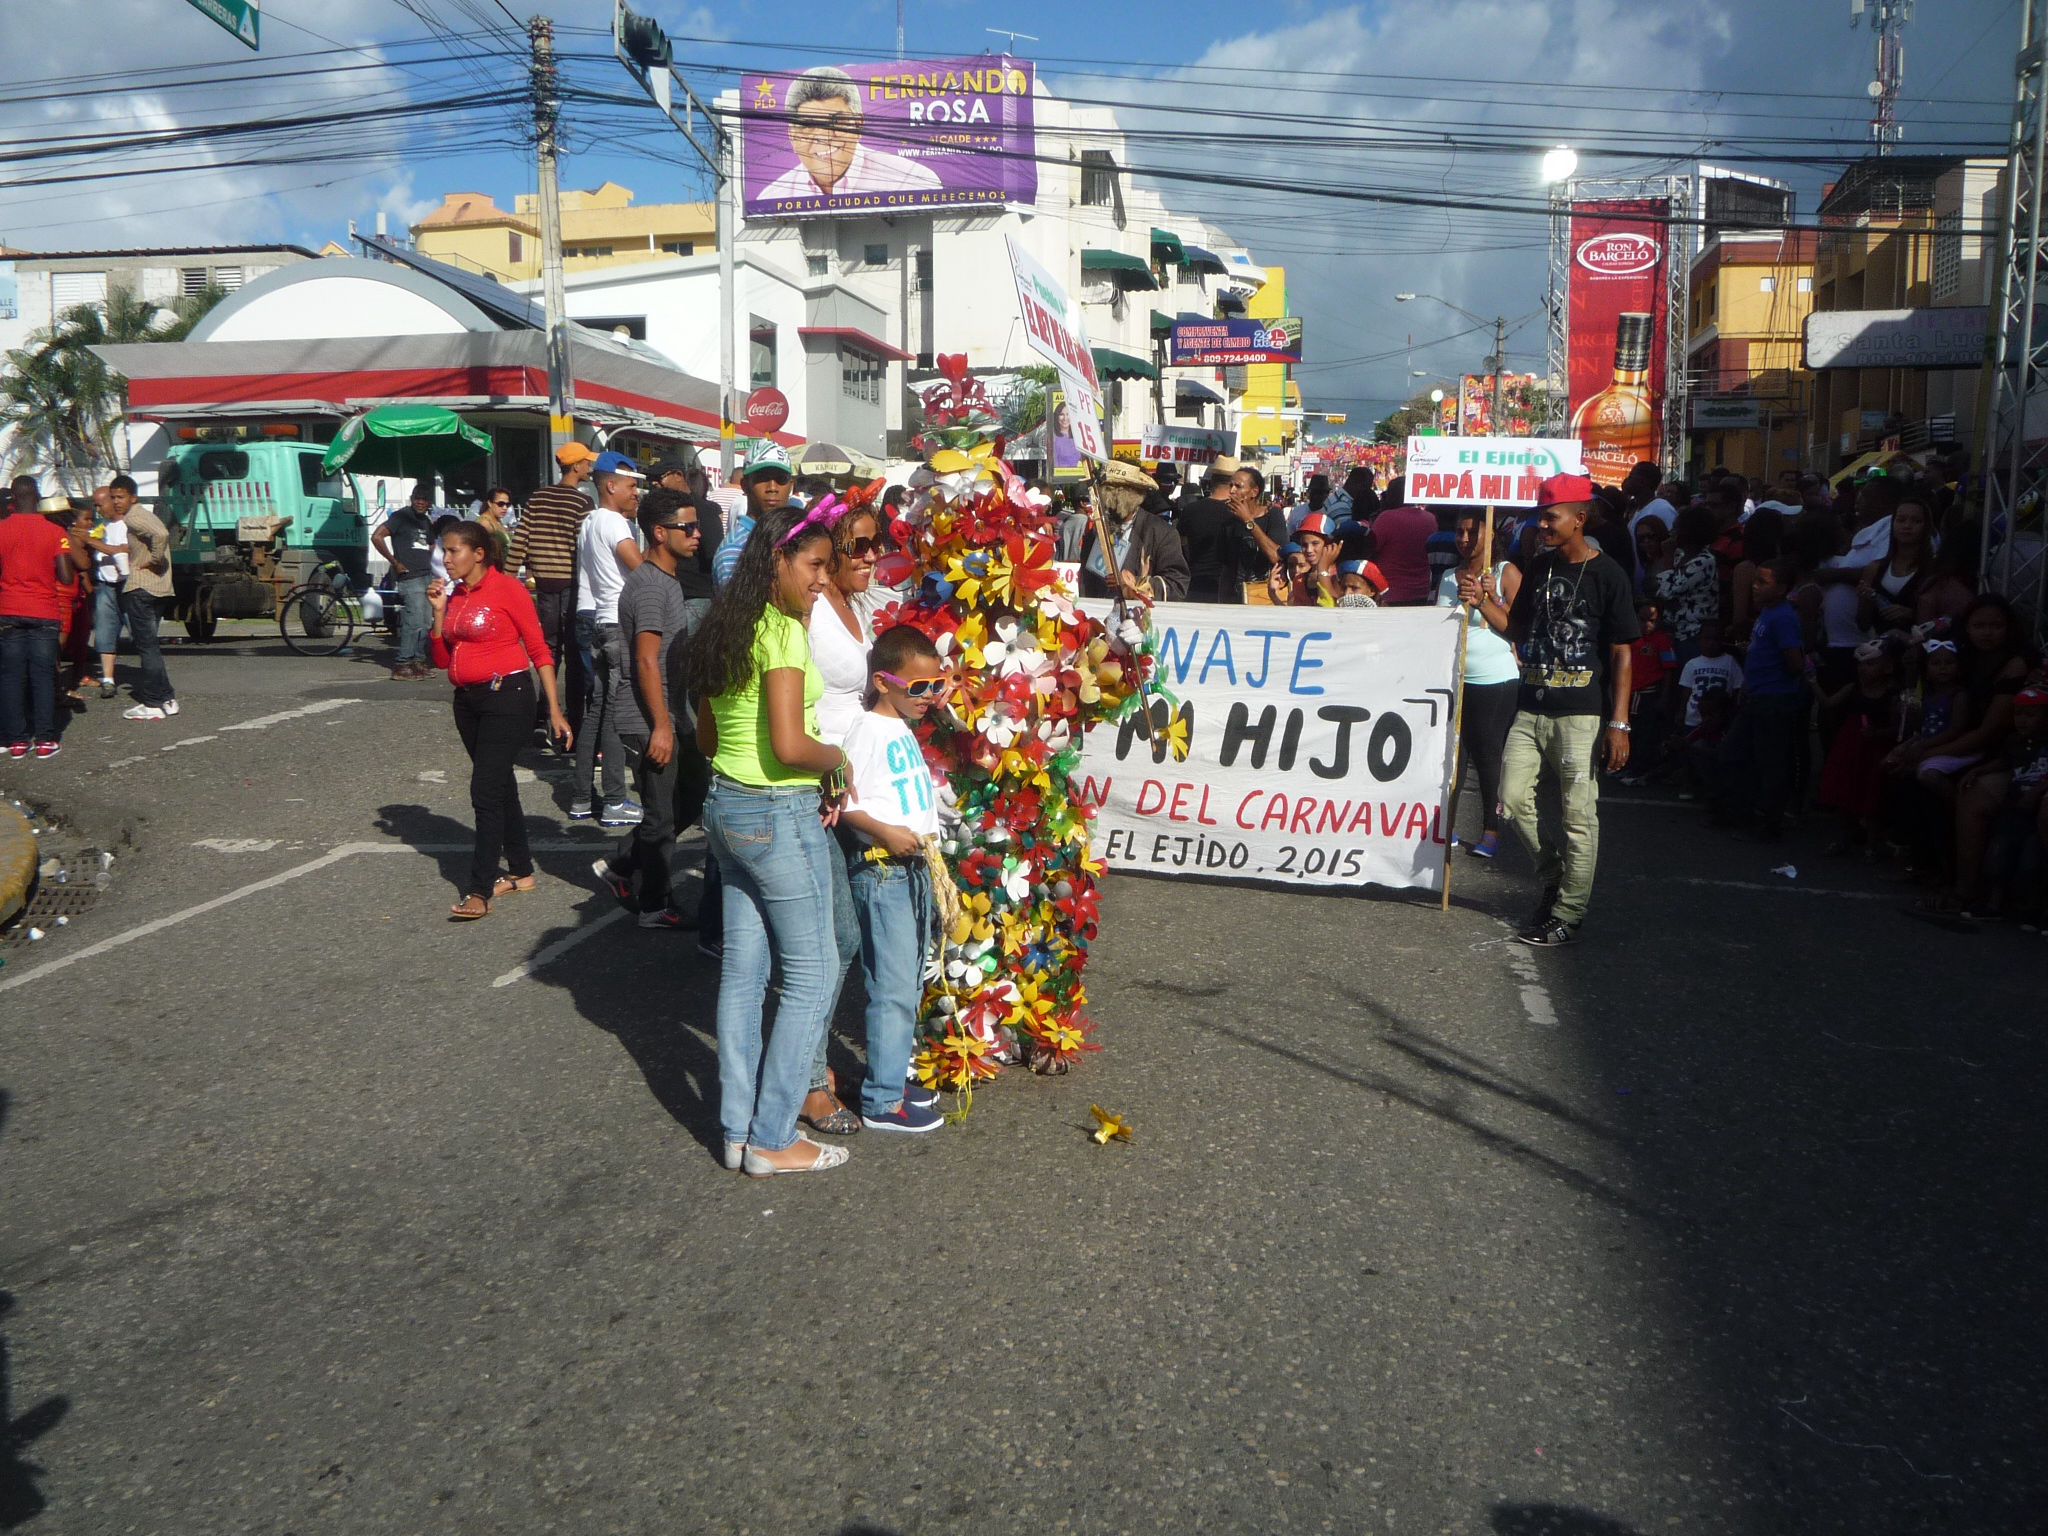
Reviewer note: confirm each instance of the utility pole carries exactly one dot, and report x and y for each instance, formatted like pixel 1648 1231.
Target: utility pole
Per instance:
pixel 546 118
pixel 899 31
pixel 1499 363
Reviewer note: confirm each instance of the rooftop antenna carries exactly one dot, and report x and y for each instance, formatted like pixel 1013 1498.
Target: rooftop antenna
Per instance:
pixel 1888 20
pixel 1012 36
pixel 899 31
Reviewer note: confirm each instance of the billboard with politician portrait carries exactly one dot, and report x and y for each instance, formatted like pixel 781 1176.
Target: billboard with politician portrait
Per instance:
pixel 876 138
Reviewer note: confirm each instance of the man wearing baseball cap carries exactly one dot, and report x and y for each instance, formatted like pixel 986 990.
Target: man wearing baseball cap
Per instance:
pixel 766 480
pixel 682 471
pixel 1573 619
pixel 606 549
pixel 544 552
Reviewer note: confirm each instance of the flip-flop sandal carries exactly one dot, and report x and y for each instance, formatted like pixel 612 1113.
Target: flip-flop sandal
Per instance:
pixel 507 886
pixel 462 912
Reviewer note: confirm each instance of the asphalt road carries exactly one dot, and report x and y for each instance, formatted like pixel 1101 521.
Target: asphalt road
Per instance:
pixel 1727 1220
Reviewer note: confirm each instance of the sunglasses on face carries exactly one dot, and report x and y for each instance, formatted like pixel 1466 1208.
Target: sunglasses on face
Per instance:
pixel 501 505
pixel 860 548
pixel 684 527
pixel 923 688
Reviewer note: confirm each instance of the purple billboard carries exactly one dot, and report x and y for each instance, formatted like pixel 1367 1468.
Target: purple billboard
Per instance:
pixel 872 138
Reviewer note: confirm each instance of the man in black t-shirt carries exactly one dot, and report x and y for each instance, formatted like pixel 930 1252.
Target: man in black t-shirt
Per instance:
pixel 406 540
pixel 1572 621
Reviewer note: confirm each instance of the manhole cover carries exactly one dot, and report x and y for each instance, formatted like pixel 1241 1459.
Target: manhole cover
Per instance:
pixel 68 892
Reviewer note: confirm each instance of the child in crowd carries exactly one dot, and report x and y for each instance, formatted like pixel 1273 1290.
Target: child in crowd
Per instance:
pixel 1359 584
pixel 1935 711
pixel 1296 581
pixel 1852 782
pixel 1761 750
pixel 1655 671
pixel 894 810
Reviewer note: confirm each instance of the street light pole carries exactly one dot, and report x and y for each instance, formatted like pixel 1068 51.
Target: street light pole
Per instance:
pixel 546 116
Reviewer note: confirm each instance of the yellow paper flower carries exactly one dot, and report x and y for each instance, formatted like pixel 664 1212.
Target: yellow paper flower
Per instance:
pixel 1177 737
pixel 966 588
pixel 1109 1127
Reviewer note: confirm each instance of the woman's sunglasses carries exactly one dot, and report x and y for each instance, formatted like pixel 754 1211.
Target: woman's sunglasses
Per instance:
pixel 860 548
pixel 500 506
pixel 923 688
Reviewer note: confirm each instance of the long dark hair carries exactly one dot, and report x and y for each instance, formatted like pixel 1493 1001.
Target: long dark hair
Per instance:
pixel 721 656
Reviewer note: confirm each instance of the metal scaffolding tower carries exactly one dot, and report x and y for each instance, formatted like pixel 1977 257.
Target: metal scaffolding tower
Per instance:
pixel 2014 554
pixel 1888 20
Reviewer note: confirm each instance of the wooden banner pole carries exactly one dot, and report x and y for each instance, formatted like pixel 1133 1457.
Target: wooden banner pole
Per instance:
pixel 1458 713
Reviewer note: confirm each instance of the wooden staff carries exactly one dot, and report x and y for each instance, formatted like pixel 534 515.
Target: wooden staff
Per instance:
pixel 1113 575
pixel 1458 711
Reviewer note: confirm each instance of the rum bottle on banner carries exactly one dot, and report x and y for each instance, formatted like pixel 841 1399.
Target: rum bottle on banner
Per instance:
pixel 1618 426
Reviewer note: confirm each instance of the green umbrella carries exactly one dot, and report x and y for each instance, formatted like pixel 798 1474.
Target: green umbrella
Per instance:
pixel 405 440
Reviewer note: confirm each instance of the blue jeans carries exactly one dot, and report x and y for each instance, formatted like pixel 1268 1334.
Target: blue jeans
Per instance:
pixel 415 618
pixel 846 933
pixel 28 679
pixel 775 857
pixel 604 654
pixel 106 618
pixel 896 921
pixel 145 613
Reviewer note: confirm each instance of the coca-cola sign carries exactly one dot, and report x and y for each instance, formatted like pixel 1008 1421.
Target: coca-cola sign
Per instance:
pixel 767 409
pixel 1619 254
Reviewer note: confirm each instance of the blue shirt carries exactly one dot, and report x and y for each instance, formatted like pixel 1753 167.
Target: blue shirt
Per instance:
pixel 1776 631
pixel 729 548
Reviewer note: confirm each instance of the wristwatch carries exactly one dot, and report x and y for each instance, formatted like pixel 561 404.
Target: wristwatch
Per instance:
pixel 1618 725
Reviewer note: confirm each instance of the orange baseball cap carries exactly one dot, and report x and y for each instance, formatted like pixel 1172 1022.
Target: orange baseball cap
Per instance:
pixel 575 453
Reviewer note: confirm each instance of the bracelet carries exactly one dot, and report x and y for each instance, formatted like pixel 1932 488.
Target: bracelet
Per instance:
pixel 835 782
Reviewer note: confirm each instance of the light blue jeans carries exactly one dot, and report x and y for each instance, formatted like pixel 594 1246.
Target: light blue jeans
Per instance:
pixel 846 930
pixel 415 618
pixel 775 858
pixel 896 921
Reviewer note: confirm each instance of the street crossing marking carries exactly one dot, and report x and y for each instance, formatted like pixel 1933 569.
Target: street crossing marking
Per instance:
pixel 560 947
pixel 265 722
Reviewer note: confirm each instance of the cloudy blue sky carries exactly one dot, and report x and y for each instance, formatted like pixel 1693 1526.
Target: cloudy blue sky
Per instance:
pixel 410 98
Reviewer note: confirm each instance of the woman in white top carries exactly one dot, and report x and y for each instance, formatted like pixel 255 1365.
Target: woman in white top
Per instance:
pixel 1493 674
pixel 842 629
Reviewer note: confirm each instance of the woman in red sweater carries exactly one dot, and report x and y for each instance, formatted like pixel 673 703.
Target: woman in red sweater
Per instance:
pixel 487 633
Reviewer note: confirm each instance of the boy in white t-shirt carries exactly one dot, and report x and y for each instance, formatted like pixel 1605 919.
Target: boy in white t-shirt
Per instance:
pixel 1712 669
pixel 894 809
pixel 109 543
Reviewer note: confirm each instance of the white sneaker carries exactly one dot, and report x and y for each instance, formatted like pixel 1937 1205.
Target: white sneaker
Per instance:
pixel 142 712
pixel 170 706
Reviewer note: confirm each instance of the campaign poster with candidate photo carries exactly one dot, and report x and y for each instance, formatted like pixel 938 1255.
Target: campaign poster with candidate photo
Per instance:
pixel 871 138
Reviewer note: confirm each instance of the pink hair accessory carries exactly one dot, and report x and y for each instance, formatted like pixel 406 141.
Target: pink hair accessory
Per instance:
pixel 819 519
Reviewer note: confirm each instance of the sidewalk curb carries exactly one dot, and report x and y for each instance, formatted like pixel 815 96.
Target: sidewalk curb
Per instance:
pixel 18 861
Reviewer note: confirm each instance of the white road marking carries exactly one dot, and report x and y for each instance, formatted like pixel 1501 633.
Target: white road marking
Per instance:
pixel 1536 1001
pixel 189 741
pixel 238 844
pixel 265 722
pixel 438 776
pixel 127 762
pixel 326 860
pixel 1780 887
pixel 560 947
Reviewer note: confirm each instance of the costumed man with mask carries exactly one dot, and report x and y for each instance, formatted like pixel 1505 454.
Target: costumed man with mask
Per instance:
pixel 1150 560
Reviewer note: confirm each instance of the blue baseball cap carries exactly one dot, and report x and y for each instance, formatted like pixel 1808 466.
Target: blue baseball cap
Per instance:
pixel 612 463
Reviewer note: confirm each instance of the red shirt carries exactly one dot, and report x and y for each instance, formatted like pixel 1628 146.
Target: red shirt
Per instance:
pixel 1402 536
pixel 30 545
pixel 1654 657
pixel 490 630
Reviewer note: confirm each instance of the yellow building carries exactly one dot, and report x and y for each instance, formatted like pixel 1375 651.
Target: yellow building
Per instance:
pixel 1267 386
pixel 600 228
pixel 1751 393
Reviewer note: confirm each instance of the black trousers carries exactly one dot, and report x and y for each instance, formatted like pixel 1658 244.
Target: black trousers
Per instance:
pixel 671 798
pixel 557 612
pixel 1489 711
pixel 495 723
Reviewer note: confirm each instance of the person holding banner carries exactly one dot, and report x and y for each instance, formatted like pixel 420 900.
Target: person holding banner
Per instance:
pixel 1574 619
pixel 1493 674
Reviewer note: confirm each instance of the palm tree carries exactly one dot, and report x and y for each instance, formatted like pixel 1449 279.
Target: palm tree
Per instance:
pixel 59 403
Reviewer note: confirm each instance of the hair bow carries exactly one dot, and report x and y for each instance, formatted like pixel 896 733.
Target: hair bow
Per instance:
pixel 819 519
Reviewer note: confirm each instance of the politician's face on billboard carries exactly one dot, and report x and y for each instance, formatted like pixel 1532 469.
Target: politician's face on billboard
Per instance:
pixel 825 131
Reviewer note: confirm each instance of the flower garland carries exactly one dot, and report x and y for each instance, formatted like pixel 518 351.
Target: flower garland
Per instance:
pixel 1035 674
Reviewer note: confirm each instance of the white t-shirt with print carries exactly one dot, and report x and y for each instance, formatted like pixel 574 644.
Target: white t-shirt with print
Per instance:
pixel 1703 673
pixel 887 769
pixel 598 572
pixel 111 570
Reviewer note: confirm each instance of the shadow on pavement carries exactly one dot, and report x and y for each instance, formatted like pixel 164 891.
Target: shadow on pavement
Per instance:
pixel 1839 1113
pixel 21 1500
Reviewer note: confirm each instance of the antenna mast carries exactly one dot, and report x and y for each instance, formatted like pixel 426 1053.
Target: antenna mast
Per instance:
pixel 1888 20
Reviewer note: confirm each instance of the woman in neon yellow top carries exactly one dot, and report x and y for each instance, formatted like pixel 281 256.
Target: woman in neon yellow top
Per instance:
pixel 766 820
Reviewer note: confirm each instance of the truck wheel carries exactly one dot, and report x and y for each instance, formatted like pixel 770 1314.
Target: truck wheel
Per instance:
pixel 199 620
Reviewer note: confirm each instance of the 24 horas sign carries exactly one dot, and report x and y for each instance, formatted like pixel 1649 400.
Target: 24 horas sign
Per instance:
pixel 1319 748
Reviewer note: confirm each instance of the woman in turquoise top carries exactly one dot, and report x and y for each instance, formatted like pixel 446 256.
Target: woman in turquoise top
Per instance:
pixel 775 791
pixel 1493 676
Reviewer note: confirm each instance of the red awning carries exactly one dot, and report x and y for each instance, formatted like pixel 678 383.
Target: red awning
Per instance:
pixel 854 337
pixel 470 370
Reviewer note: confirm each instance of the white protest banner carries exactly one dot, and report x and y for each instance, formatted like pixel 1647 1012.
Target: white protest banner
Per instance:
pixel 1185 445
pixel 1319 748
pixel 1054 328
pixel 1487 471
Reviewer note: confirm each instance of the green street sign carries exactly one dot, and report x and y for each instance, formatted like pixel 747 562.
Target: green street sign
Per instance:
pixel 241 17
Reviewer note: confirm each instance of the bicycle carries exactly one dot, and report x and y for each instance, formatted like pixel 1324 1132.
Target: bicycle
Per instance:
pixel 319 617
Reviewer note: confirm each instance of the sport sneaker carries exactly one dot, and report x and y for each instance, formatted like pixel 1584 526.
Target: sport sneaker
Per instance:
pixel 909 1117
pixel 620 813
pixel 612 881
pixel 170 706
pixel 46 749
pixel 579 810
pixel 18 749
pixel 1487 847
pixel 916 1093
pixel 142 712
pixel 1548 934
pixel 107 688
pixel 667 919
